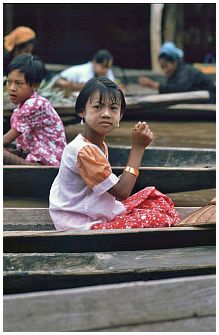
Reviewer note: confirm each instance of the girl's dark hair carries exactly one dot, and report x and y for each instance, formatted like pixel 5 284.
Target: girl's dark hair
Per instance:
pixel 31 66
pixel 103 56
pixel 106 88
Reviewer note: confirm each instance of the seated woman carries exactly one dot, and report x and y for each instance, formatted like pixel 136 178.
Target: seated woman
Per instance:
pixel 181 77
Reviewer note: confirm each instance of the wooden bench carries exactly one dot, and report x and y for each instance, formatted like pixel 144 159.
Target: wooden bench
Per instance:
pixel 39 219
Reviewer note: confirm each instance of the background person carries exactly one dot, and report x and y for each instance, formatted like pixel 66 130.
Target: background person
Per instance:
pixel 74 78
pixel 181 77
pixel 20 41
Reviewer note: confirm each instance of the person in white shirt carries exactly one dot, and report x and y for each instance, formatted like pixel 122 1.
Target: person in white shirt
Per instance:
pixel 74 78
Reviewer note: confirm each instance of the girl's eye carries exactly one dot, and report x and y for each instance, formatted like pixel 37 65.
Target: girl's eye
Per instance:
pixel 114 108
pixel 97 106
pixel 17 83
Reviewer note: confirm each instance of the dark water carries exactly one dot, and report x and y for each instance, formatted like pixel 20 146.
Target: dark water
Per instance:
pixel 179 134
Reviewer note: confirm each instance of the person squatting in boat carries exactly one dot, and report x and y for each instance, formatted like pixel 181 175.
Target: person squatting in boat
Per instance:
pixel 180 77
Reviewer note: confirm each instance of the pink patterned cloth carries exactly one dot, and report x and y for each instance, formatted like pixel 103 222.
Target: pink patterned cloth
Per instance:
pixel 147 208
pixel 42 132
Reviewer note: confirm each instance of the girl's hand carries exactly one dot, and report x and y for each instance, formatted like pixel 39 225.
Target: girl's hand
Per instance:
pixel 141 135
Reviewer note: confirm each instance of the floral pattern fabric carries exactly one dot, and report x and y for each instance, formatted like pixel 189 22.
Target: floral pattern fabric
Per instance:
pixel 42 132
pixel 147 208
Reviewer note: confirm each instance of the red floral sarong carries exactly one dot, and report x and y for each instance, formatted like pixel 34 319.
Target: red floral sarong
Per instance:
pixel 147 208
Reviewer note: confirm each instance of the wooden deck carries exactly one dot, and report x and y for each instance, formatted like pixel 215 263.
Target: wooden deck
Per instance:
pixel 38 219
pixel 186 304
pixel 108 240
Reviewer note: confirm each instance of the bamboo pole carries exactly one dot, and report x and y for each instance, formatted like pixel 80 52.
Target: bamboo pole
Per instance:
pixel 155 34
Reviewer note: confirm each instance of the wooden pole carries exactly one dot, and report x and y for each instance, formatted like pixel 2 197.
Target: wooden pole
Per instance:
pixel 155 34
pixel 9 17
pixel 174 24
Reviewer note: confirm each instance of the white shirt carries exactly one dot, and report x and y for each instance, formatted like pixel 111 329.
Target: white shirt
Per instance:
pixel 82 73
pixel 78 196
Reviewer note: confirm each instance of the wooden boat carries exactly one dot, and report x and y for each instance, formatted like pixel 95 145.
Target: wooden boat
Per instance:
pixel 186 303
pixel 170 106
pixel 28 272
pixel 168 169
pixel 108 240
pixel 109 255
pixel 67 263
pixel 38 219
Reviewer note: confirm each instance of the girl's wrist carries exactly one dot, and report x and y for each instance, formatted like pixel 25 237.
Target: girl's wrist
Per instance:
pixel 132 170
pixel 138 147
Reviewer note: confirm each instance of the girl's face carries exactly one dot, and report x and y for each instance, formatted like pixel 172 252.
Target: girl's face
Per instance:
pixel 169 68
pixel 18 90
pixel 101 116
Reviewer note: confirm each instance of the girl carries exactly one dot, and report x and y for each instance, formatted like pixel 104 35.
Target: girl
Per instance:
pixel 35 125
pixel 86 194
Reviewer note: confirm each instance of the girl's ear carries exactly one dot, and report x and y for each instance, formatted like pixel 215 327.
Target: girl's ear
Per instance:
pixel 81 114
pixel 35 87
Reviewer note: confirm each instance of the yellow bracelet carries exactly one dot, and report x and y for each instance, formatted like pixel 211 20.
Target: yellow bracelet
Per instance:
pixel 132 170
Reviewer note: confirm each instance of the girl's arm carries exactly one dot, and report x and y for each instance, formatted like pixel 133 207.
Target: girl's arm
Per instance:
pixel 141 138
pixel 10 136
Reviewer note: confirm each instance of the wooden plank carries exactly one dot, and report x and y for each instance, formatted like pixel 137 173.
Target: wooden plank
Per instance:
pixel 167 99
pixel 38 179
pixel 165 156
pixel 25 272
pixel 116 305
pixel 39 218
pixel 194 107
pixel 108 240
pixel 196 324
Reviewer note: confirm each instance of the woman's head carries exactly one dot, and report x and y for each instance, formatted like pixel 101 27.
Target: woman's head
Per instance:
pixel 24 75
pixel 102 62
pixel 20 41
pixel 101 104
pixel 169 58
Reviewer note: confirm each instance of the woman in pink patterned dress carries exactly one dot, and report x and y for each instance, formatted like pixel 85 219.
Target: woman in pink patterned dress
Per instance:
pixel 35 126
pixel 86 194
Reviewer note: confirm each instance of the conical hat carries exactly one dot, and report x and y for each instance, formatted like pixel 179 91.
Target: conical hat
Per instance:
pixel 17 36
pixel 203 216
